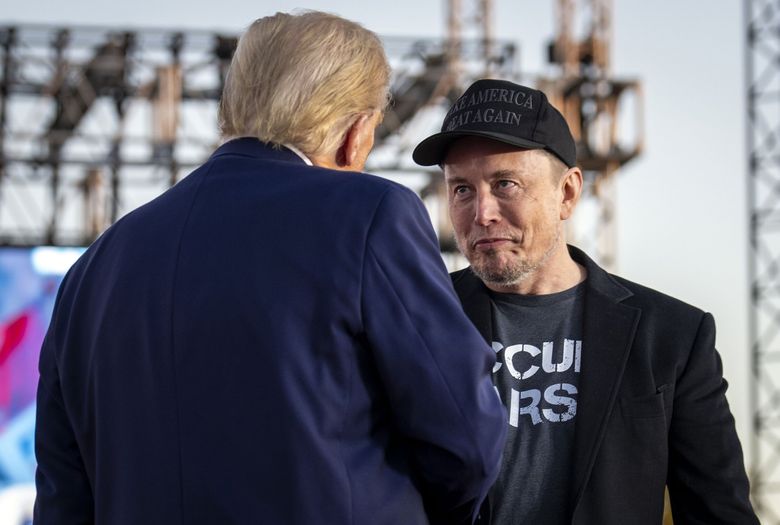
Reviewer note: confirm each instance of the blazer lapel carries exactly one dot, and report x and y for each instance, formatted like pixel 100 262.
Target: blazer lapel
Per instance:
pixel 475 300
pixel 608 334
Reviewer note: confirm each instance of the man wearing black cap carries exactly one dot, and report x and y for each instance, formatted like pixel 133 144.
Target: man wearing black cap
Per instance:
pixel 613 390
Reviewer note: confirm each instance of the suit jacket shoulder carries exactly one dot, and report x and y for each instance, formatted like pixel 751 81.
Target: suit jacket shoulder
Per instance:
pixel 655 302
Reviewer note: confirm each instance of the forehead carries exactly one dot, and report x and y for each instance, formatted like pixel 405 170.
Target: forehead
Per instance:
pixel 478 157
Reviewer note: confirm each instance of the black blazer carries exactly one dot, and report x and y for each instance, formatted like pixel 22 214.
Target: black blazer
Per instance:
pixel 652 409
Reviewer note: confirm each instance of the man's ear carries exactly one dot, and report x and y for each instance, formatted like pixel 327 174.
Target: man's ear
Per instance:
pixel 348 153
pixel 571 189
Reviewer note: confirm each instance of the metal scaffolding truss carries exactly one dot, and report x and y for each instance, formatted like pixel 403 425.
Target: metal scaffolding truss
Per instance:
pixel 92 120
pixel 95 121
pixel 763 138
pixel 592 101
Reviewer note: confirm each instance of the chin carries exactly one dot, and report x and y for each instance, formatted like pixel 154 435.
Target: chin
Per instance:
pixel 502 271
pixel 494 261
pixel 504 277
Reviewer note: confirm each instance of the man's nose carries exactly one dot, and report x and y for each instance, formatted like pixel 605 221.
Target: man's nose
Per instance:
pixel 487 211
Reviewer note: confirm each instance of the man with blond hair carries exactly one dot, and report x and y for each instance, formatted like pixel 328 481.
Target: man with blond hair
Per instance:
pixel 273 340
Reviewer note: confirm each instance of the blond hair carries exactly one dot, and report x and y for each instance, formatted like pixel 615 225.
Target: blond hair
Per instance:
pixel 301 79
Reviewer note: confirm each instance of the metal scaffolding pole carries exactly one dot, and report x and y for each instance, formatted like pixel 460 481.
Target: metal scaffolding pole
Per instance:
pixel 590 99
pixel 762 19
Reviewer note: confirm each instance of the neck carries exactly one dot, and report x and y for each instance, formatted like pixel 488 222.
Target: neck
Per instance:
pixel 325 161
pixel 558 273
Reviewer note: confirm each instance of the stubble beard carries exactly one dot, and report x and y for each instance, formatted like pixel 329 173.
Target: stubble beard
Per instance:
pixel 510 274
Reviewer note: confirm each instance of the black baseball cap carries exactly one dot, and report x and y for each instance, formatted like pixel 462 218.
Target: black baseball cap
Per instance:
pixel 503 111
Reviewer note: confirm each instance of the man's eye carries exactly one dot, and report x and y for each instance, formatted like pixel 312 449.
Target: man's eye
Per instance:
pixel 506 184
pixel 460 190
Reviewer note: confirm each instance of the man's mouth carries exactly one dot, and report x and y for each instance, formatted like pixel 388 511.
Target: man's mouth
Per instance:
pixel 490 243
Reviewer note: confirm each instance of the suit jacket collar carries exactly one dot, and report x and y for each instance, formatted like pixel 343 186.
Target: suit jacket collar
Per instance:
pixel 598 279
pixel 608 334
pixel 252 147
pixel 475 298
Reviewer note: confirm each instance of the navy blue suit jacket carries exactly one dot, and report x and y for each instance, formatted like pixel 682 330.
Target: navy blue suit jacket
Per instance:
pixel 266 342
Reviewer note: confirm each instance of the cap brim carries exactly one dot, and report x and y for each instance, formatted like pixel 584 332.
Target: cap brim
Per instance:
pixel 431 151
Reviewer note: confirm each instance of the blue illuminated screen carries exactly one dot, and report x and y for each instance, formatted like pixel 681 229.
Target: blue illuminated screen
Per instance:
pixel 29 278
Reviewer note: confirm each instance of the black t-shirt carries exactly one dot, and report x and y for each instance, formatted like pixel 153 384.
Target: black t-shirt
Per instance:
pixel 538 339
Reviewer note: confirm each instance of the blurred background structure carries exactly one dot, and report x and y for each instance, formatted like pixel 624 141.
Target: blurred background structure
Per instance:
pixel 95 121
pixel 763 107
pixel 98 116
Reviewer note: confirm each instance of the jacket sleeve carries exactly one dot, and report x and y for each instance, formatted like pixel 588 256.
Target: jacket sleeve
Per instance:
pixel 707 481
pixel 434 365
pixel 64 493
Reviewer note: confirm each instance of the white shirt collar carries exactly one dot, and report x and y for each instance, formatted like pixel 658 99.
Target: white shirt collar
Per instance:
pixel 299 153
